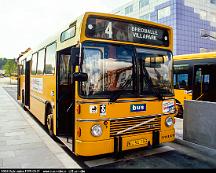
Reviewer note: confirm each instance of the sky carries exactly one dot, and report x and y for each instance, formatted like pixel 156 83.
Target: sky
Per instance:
pixel 26 23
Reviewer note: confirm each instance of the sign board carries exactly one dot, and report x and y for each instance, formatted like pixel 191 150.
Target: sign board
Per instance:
pixel 37 84
pixel 113 29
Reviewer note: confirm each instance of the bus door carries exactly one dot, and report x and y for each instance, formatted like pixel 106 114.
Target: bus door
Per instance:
pixel 27 83
pixel 65 98
pixel 204 82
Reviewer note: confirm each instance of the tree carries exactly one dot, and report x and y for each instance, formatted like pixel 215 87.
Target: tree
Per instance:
pixel 10 67
pixel 2 62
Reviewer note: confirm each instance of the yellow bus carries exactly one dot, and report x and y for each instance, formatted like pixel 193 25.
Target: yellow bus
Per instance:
pixel 194 78
pixel 103 85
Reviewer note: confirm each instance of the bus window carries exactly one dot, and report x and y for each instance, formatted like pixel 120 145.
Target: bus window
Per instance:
pixel 198 78
pixel 157 66
pixel 64 69
pixel 206 78
pixel 206 81
pixel 50 59
pixel 182 80
pixel 22 67
pixel 103 77
pixel 34 63
pixel 181 76
pixel 40 66
pixel 174 80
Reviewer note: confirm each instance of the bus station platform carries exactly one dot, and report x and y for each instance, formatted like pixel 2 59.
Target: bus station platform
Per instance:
pixel 23 143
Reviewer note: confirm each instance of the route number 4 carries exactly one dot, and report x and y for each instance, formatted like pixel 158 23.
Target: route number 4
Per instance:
pixel 108 30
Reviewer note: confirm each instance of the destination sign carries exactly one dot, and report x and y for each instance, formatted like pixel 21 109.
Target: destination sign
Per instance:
pixel 111 29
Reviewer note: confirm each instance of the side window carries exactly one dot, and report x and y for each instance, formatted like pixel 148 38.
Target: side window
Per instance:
pixel 34 64
pixel 183 80
pixel 69 33
pixel 40 66
pixel 50 59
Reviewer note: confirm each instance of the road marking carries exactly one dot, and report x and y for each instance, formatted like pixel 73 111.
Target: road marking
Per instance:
pixel 130 156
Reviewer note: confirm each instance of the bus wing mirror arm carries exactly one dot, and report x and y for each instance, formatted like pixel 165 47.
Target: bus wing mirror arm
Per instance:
pixel 75 55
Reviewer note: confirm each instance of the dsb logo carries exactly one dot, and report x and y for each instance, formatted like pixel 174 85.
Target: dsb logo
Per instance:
pixel 137 107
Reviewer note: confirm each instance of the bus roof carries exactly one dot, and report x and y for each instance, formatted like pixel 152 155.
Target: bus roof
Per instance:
pixel 197 56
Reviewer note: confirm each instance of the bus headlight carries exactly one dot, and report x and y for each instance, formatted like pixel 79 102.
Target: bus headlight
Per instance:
pixel 96 130
pixel 169 121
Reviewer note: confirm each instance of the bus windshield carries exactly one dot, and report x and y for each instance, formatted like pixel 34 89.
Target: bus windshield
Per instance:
pixel 156 70
pixel 115 68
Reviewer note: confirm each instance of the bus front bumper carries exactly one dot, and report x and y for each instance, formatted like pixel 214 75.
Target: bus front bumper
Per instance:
pixel 123 143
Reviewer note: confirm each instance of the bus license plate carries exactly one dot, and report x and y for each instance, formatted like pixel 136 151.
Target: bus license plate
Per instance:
pixel 137 142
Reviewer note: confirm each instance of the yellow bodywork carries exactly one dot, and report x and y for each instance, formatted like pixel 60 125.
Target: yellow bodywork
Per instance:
pixel 86 144
pixel 181 95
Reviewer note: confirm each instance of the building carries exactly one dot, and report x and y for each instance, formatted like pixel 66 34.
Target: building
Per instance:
pixel 193 21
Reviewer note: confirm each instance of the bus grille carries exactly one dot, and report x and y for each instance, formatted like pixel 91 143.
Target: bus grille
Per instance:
pixel 122 124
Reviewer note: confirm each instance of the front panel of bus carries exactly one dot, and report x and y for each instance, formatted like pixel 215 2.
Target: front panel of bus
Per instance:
pixel 126 103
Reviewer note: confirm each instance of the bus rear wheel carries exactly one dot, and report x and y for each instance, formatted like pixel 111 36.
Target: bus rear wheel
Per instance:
pixel 49 124
pixel 180 111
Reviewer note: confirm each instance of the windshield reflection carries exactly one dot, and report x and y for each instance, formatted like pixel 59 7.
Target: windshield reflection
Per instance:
pixel 108 68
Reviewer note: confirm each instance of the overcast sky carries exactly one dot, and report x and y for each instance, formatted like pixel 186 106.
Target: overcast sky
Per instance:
pixel 25 23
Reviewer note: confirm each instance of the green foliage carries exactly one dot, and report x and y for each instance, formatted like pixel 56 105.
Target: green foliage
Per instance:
pixel 10 67
pixel 2 62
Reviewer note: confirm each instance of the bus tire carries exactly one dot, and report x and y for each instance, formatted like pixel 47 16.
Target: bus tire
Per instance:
pixel 49 119
pixel 49 124
pixel 180 111
pixel 24 107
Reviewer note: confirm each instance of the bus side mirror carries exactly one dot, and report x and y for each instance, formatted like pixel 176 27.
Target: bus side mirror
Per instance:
pixel 75 51
pixel 80 76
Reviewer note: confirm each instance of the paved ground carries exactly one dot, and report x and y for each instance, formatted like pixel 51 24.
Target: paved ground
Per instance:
pixel 179 128
pixel 7 81
pixel 23 143
pixel 12 91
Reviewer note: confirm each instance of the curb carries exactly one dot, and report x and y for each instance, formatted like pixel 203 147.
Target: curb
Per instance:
pixel 193 145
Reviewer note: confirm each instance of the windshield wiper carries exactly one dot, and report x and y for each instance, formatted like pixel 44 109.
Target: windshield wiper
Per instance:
pixel 114 97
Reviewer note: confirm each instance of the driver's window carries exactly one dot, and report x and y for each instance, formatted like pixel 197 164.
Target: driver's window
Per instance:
pixel 92 66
